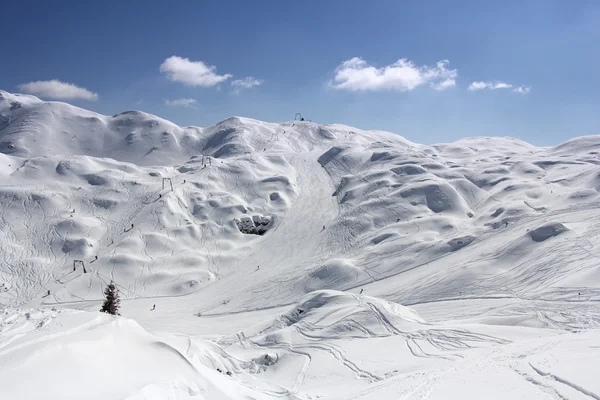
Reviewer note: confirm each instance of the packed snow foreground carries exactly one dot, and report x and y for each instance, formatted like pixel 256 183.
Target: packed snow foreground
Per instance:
pixel 291 261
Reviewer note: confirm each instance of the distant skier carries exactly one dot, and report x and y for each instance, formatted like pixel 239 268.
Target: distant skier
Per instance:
pixel 96 257
pixel 361 291
pixel 48 292
pixel 506 222
pixel 257 267
pixel 153 307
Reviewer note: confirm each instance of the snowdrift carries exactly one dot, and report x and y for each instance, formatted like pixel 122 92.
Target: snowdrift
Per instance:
pixel 64 354
pixel 328 314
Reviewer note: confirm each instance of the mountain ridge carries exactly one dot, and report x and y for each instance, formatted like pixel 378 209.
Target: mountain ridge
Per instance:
pixel 258 258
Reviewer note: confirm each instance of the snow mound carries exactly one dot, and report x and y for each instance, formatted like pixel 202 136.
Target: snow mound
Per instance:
pixel 333 314
pixel 255 225
pixel 334 274
pixel 460 242
pixel 48 346
pixel 438 197
pixel 547 231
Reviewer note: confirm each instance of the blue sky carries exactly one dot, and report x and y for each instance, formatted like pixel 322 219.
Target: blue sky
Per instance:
pixel 527 69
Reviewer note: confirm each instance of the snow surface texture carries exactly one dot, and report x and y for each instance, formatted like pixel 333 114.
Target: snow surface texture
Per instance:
pixel 256 240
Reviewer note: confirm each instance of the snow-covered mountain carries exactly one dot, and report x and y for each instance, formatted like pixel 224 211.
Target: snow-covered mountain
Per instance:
pixel 286 254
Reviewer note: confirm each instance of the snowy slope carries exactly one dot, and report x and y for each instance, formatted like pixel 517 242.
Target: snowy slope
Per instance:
pixel 230 230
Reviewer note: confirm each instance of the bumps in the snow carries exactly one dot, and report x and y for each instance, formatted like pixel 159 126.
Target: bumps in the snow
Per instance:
pixel 460 242
pixel 257 225
pixel 547 231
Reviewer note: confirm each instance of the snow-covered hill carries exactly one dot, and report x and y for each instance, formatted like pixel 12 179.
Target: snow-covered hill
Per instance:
pixel 296 241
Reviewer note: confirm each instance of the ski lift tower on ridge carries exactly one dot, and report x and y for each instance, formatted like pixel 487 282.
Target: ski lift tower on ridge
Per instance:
pixel 298 117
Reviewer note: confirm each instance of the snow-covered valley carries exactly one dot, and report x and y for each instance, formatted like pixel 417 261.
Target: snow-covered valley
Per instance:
pixel 291 260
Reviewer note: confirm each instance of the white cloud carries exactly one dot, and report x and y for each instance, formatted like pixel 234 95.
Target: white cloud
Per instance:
pixel 474 86
pixel 478 86
pixel 357 75
pixel 501 85
pixel 443 85
pixel 180 102
pixel 57 90
pixel 193 73
pixel 522 89
pixel 245 83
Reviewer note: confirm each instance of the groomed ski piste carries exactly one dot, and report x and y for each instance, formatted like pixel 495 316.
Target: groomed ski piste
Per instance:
pixel 291 260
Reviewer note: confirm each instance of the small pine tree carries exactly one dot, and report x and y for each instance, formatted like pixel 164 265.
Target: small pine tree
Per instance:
pixel 111 300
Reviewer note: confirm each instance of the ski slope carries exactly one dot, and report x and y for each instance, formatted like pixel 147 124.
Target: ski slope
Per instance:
pixel 307 260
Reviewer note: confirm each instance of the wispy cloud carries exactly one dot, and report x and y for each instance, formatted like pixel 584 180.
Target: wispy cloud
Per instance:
pixel 56 89
pixel 246 83
pixel 479 85
pixel 522 89
pixel 403 75
pixel 443 85
pixel 192 73
pixel 180 102
pixel 488 85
